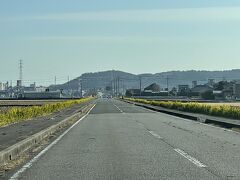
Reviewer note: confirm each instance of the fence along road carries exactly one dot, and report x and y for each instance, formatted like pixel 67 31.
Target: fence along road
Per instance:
pixel 122 141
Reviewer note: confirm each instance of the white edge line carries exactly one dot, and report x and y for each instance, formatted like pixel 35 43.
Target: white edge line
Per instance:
pixel 155 135
pixel 118 108
pixel 190 158
pixel 30 163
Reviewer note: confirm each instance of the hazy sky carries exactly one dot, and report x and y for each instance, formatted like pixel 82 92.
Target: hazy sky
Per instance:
pixel 70 37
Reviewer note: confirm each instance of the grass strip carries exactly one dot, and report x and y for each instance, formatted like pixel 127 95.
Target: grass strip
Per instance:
pixel 18 114
pixel 193 107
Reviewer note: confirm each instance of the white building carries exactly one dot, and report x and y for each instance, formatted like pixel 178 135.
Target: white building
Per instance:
pixel 3 86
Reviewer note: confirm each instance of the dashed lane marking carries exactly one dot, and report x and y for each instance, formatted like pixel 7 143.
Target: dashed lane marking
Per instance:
pixel 190 158
pixel 118 108
pixel 182 153
pixel 155 134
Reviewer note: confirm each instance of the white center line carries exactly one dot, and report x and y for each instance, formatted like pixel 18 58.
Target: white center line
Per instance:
pixel 30 163
pixel 155 135
pixel 118 108
pixel 190 158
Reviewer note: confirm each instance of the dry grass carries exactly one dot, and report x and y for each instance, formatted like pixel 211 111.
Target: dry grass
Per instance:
pixel 17 114
pixel 216 110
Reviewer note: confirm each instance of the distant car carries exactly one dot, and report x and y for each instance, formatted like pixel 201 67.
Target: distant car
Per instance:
pixel 104 96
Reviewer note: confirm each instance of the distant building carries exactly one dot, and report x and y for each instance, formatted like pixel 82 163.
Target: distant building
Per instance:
pixel 236 90
pixel 19 83
pixel 218 95
pixel 4 94
pixel 33 85
pixel 223 95
pixel 183 90
pixel 152 88
pixel 200 89
pixel 41 89
pixel 42 95
pixel 226 88
pixel 3 86
pixel 29 89
pixel 211 82
pixel 132 92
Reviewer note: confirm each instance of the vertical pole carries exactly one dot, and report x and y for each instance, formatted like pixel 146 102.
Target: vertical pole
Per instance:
pixel 112 82
pixel 115 81
pixel 21 72
pixel 81 83
pixel 69 86
pixel 68 83
pixel 80 87
pixel 140 85
pixel 118 86
pixel 167 83
pixel 114 87
pixel 122 87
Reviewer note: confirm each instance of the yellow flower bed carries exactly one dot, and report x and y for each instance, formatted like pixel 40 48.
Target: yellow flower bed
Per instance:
pixel 218 110
pixel 20 114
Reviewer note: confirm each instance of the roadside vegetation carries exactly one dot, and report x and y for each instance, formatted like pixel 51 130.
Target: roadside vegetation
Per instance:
pixel 17 114
pixel 216 110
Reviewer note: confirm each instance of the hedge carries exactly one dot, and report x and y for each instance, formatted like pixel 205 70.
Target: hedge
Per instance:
pixel 216 110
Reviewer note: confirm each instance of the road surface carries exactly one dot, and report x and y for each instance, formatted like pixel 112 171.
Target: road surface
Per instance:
pixel 117 140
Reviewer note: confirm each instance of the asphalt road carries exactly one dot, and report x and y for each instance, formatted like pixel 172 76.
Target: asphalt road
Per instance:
pixel 121 141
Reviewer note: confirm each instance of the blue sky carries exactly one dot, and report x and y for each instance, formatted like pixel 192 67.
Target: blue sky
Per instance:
pixel 67 38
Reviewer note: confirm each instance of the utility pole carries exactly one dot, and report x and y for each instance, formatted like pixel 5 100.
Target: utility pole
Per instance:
pixel 68 83
pixel 118 88
pixel 115 86
pixel 55 80
pixel 140 85
pixel 112 82
pixel 167 83
pixel 69 87
pixel 123 87
pixel 80 87
pixel 21 72
pixel 116 80
pixel 116 91
pixel 81 84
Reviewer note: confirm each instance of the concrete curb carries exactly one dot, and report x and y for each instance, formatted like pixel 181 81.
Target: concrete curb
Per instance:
pixel 225 122
pixel 17 149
